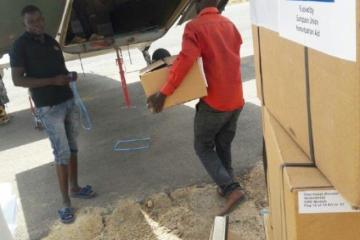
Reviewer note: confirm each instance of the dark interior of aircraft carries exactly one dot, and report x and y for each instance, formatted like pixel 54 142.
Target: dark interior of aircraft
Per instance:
pixel 113 17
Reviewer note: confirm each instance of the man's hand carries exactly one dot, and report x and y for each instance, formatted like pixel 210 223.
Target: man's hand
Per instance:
pixel 156 102
pixel 62 80
pixel 73 76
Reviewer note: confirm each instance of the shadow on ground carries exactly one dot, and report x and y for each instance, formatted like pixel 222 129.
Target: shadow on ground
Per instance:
pixel 19 131
pixel 169 163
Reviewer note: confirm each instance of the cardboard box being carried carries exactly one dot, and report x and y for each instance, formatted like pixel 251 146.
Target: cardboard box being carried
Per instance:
pixel 303 203
pixel 193 86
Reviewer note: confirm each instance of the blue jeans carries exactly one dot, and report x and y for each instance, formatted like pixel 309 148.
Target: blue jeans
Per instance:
pixel 61 123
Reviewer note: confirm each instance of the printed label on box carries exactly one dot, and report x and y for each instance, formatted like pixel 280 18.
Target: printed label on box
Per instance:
pixel 324 201
pixel 328 26
pixel 264 13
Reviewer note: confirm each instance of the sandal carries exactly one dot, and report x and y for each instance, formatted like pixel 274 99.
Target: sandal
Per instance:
pixel 84 193
pixel 66 215
pixel 5 119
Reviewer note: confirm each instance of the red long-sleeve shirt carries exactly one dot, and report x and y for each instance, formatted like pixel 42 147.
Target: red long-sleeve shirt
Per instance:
pixel 215 39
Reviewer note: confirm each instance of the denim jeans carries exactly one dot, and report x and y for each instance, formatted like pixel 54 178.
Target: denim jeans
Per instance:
pixel 214 132
pixel 61 123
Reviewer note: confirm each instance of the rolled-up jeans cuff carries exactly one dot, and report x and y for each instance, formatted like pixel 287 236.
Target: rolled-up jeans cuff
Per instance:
pixel 62 160
pixel 230 188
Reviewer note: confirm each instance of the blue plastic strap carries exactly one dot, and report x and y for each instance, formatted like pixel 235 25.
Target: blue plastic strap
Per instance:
pixel 84 114
pixel 117 147
pixel 264 212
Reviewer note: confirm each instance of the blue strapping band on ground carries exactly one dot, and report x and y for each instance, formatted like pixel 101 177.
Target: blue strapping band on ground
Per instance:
pixel 117 147
pixel 264 212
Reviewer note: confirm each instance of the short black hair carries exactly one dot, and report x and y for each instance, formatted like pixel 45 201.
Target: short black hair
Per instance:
pixel 160 54
pixel 29 9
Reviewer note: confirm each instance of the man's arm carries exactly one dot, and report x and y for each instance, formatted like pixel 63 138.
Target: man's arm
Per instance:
pixel 189 53
pixel 18 61
pixel 66 71
pixel 19 79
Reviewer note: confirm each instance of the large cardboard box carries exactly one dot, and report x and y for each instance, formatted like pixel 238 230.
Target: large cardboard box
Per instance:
pixel 331 112
pixel 335 99
pixel 281 150
pixel 257 61
pixel 335 111
pixel 303 203
pixel 267 227
pixel 193 86
pixel 284 85
pixel 314 209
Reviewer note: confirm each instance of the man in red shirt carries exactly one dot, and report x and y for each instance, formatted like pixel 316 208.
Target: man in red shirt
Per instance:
pixel 215 39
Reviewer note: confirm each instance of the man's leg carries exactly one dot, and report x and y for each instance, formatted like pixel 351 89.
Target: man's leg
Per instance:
pixel 223 141
pixel 81 9
pixel 62 173
pixel 223 148
pixel 207 125
pixel 72 125
pixel 53 120
pixel 73 173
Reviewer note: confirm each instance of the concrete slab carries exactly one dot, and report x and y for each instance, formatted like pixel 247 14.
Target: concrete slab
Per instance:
pixel 169 163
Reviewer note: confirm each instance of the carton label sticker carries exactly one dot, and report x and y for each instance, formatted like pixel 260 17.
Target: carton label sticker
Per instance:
pixel 318 23
pixel 264 13
pixel 324 201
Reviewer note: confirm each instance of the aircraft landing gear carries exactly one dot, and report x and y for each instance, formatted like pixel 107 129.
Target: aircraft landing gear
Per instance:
pixel 146 55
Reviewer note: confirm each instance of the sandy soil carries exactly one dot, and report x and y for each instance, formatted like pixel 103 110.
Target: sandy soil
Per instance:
pixel 184 214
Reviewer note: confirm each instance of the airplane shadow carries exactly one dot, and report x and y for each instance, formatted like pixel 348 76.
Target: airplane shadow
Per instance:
pixel 169 163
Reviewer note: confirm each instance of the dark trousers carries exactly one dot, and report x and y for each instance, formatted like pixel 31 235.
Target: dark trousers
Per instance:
pixel 80 13
pixel 214 132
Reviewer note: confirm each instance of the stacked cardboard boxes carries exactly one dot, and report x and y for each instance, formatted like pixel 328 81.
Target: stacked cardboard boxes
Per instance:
pixel 311 121
pixel 304 205
pixel 267 227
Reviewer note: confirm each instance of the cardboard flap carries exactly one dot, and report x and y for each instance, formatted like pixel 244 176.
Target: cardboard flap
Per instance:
pixel 290 152
pixel 305 178
pixel 164 62
pixel 193 86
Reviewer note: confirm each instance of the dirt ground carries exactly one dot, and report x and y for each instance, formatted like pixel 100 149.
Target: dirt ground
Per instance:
pixel 184 214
